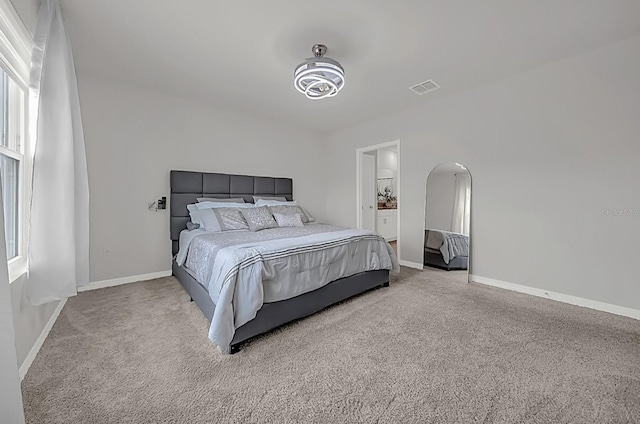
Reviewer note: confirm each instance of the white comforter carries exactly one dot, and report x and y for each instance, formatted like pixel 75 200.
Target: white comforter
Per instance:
pixel 234 265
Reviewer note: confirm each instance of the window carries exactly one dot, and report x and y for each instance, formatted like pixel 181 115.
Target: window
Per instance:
pixel 12 118
pixel 15 152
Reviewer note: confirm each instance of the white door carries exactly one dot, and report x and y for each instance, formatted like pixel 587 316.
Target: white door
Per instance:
pixel 368 192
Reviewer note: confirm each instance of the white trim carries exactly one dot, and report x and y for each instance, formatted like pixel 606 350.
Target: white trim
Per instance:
pixel 410 264
pixel 565 298
pixel 359 152
pixel 16 42
pixel 124 280
pixel 26 364
pixel 17 268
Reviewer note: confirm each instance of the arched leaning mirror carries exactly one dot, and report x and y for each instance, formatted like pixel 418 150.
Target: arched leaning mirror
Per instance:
pixel 448 219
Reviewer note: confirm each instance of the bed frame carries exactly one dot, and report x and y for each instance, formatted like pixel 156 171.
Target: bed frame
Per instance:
pixel 187 186
pixel 436 260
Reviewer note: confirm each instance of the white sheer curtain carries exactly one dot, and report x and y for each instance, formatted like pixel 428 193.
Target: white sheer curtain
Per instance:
pixel 59 222
pixel 462 204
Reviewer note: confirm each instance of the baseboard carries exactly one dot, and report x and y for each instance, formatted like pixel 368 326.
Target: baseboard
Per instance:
pixel 123 280
pixel 565 298
pixel 26 364
pixel 409 264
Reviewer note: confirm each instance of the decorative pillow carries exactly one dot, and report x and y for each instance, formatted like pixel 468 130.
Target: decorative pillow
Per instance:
pixel 293 220
pixel 215 199
pixel 263 202
pixel 276 198
pixel 191 226
pixel 230 219
pixel 310 218
pixel 259 218
pixel 193 213
pixel 289 210
pixel 206 219
pixel 209 221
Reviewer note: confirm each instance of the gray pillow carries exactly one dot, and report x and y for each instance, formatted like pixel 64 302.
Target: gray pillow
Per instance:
pixel 231 219
pixel 292 220
pixel 289 210
pixel 259 218
pixel 215 199
pixel 191 226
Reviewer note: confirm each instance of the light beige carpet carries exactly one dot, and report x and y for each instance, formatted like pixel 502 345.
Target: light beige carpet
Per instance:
pixel 427 349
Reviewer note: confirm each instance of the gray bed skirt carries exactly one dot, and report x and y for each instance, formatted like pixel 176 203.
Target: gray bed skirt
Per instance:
pixel 273 315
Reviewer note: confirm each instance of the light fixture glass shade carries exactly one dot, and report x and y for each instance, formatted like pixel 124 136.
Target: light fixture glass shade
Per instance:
pixel 319 77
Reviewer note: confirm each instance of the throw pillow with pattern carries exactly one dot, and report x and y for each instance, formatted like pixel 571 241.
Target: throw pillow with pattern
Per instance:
pixel 231 219
pixel 259 218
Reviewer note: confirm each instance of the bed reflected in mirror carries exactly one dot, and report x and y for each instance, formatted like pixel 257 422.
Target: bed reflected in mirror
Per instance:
pixel 448 218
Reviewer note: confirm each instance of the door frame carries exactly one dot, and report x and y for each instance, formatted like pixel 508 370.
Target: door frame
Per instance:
pixel 374 159
pixel 359 152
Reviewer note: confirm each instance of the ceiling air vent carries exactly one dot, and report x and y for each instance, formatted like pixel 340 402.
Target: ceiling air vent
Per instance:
pixel 424 87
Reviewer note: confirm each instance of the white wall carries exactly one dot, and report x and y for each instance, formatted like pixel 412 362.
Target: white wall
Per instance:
pixel 548 150
pixel 134 137
pixel 441 190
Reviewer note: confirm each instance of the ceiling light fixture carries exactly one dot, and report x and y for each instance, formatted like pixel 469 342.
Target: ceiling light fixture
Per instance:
pixel 319 77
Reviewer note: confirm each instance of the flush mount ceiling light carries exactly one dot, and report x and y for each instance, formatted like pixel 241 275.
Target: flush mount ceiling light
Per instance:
pixel 319 77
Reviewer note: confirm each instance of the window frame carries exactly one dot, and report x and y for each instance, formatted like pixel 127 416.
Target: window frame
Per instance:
pixel 16 44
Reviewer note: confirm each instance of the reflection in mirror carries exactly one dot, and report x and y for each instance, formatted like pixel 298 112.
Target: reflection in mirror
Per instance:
pixel 448 218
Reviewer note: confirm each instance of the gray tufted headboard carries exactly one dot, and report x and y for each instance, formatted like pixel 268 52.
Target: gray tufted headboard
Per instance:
pixel 187 186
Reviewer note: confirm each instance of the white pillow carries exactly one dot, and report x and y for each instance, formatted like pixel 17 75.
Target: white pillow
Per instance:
pixel 263 202
pixel 209 205
pixel 193 213
pixel 292 220
pixel 203 213
pixel 207 219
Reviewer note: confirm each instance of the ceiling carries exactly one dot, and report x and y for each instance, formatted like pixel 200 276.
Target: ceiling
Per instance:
pixel 240 55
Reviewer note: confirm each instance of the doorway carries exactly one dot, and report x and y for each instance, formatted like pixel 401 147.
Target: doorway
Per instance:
pixel 378 190
pixel 448 218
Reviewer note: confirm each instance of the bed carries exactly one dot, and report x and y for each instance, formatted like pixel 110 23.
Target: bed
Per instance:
pixel 446 250
pixel 228 287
